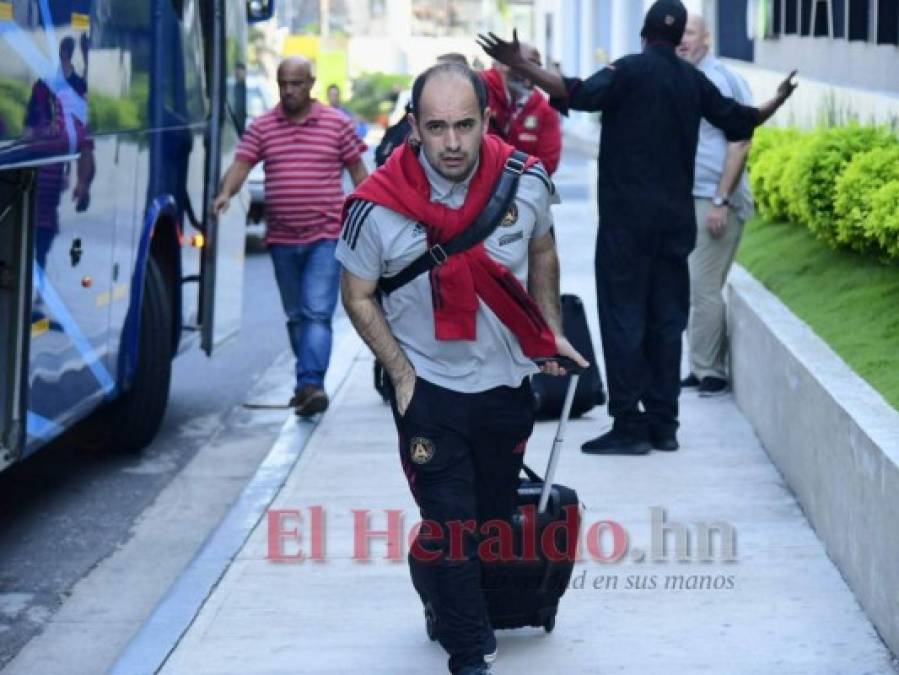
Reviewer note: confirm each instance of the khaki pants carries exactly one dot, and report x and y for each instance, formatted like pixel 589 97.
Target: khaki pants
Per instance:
pixel 709 264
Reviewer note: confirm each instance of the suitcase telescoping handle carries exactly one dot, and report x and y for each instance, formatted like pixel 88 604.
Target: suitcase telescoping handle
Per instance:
pixel 575 372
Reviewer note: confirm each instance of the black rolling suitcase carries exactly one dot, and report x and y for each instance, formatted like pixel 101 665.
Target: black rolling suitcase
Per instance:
pixel 526 591
pixel 549 391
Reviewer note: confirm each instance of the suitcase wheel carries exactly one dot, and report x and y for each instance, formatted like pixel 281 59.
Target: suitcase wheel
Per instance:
pixel 549 623
pixel 430 622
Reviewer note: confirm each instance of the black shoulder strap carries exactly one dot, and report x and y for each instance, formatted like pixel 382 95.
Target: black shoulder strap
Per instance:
pixel 483 226
pixel 531 474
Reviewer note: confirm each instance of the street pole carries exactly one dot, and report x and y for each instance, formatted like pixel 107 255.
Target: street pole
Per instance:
pixel 324 9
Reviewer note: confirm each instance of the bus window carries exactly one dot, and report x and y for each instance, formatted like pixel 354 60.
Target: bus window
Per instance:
pixel 194 84
pixel 44 52
pixel 120 65
pixel 235 69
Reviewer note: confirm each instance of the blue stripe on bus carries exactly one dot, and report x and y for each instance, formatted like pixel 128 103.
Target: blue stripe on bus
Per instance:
pixel 61 314
pixel 41 427
pixel 47 68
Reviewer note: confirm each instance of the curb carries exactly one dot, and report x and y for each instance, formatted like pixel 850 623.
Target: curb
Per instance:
pixel 160 634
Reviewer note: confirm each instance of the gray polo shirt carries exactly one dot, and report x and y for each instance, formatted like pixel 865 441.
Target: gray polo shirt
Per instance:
pixel 377 241
pixel 712 149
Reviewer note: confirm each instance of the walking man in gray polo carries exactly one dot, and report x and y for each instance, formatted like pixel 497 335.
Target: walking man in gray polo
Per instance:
pixel 723 204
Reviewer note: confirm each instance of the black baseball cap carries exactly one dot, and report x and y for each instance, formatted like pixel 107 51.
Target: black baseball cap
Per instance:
pixel 665 21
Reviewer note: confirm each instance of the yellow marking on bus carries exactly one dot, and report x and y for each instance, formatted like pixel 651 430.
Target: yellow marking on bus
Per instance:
pixel 39 327
pixel 80 21
pixel 6 11
pixel 119 292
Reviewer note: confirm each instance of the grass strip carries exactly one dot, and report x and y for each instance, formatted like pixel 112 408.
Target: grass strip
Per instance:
pixel 850 301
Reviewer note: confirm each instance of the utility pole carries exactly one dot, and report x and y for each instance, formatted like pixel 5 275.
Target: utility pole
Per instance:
pixel 324 12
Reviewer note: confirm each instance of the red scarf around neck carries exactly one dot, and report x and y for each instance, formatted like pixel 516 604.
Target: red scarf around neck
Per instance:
pixel 402 186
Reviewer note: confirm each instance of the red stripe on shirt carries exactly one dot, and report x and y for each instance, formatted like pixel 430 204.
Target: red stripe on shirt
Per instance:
pixel 303 165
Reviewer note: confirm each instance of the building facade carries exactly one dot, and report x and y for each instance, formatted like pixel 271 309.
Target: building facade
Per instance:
pixel 845 50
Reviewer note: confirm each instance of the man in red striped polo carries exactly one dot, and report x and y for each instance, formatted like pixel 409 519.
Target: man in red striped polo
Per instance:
pixel 305 146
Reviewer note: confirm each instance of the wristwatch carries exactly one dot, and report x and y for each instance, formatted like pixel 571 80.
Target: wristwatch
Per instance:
pixel 720 201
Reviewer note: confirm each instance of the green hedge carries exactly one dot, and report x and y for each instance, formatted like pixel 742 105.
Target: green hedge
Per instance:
pixel 841 182
pixel 772 150
pixel 14 97
pixel 882 223
pixel 855 189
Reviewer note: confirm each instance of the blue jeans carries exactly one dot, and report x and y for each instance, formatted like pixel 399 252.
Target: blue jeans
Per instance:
pixel 308 277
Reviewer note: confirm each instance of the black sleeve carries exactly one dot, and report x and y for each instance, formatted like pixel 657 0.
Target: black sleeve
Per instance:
pixel 590 95
pixel 736 121
pixel 393 137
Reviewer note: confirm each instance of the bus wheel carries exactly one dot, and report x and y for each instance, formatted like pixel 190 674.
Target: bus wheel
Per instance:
pixel 133 419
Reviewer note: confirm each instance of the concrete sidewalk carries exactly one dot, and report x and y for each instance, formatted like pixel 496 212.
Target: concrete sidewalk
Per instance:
pixel 780 607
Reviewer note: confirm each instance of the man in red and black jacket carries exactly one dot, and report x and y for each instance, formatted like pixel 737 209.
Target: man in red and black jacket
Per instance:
pixel 521 115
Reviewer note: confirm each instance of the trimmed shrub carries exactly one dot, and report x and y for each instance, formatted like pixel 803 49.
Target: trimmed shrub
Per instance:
pixel 882 223
pixel 766 138
pixel 766 174
pixel 855 188
pixel 12 114
pixel 812 174
pixel 14 96
pixel 842 183
pixel 107 114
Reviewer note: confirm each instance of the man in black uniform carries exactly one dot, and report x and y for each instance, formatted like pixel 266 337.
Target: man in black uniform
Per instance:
pixel 651 106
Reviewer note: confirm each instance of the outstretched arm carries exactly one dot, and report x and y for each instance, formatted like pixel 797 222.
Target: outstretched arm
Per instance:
pixel 738 121
pixel 784 91
pixel 509 53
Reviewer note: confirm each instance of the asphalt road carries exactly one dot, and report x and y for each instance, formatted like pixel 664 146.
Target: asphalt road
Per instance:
pixel 68 507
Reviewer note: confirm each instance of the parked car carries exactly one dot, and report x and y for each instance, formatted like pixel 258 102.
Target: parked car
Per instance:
pixel 259 102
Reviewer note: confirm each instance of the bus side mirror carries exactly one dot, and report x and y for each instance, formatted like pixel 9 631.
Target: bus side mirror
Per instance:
pixel 260 10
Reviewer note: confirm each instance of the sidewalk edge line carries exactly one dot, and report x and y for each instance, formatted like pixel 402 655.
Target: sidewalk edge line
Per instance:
pixel 159 635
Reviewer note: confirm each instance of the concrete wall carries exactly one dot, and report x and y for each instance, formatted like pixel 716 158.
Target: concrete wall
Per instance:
pixel 834 439
pixel 814 98
pixel 862 65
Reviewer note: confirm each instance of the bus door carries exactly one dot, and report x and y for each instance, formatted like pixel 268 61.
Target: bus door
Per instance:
pixel 221 286
pixel 44 50
pixel 15 298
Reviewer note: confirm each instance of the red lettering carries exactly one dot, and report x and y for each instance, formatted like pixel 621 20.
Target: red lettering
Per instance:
pixel 362 534
pixel 569 527
pixel 457 531
pixel 276 534
pixel 317 533
pixel 529 533
pixel 427 530
pixel 499 548
pixel 619 541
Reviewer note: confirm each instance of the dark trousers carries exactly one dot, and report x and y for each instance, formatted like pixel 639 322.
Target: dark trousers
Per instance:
pixel 643 298
pixel 462 454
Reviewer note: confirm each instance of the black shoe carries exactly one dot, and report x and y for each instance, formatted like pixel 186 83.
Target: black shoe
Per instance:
pixel 689 382
pixel 666 442
pixel 616 442
pixel 713 386
pixel 490 648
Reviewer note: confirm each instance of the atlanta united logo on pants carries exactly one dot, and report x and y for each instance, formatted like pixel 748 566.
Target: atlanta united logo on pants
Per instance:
pixel 421 450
